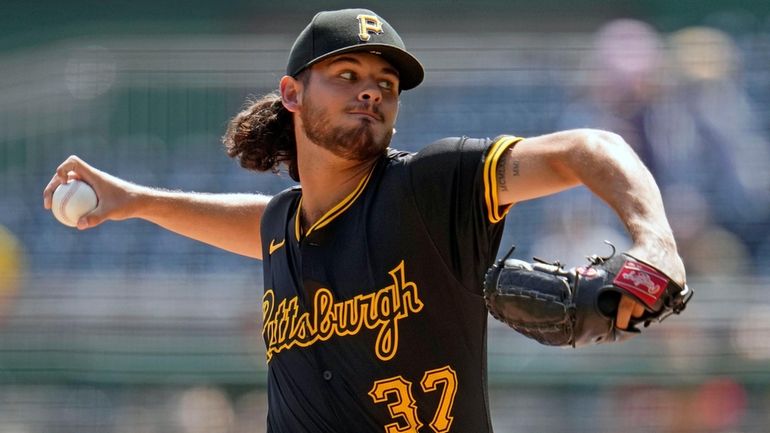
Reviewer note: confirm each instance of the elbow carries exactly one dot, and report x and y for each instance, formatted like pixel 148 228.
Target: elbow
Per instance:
pixel 590 152
pixel 595 146
pixel 597 141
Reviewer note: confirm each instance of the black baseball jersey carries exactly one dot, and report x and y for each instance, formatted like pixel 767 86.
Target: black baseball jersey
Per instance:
pixel 374 319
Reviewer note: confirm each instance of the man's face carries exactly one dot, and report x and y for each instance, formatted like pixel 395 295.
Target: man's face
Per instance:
pixel 350 104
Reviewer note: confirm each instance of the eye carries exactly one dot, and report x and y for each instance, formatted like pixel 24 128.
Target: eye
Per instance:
pixel 386 84
pixel 347 75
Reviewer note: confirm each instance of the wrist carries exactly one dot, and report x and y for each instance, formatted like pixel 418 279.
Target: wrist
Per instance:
pixel 140 201
pixel 655 236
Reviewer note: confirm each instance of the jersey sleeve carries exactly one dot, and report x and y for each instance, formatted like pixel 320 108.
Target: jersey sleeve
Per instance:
pixel 454 185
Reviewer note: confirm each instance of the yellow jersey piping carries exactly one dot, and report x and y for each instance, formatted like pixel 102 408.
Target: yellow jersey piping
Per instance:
pixel 296 220
pixel 334 212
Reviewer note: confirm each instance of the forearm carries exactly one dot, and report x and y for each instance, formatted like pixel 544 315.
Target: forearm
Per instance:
pixel 227 221
pixel 605 164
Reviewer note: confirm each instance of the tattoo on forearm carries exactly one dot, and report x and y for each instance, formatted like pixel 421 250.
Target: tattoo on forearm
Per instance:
pixel 515 167
pixel 500 174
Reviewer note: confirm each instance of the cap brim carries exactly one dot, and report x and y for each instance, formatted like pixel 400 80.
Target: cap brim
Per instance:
pixel 410 70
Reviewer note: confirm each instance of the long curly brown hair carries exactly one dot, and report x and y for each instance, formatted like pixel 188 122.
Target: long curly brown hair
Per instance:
pixel 261 136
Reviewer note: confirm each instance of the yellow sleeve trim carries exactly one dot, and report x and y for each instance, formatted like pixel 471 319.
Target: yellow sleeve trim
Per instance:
pixel 495 212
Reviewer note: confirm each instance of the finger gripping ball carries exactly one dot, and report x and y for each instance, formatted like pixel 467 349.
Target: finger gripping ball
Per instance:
pixel 72 200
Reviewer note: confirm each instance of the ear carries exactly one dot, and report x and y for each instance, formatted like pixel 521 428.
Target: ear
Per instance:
pixel 291 93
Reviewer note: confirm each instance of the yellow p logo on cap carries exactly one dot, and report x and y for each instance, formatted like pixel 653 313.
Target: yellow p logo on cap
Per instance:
pixel 368 24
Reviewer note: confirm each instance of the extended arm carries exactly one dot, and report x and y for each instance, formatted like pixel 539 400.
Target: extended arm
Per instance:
pixel 606 165
pixel 227 221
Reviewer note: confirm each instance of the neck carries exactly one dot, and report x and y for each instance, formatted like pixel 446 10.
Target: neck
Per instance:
pixel 326 179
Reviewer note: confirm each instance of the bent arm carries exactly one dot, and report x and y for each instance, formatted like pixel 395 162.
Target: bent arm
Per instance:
pixel 227 221
pixel 606 165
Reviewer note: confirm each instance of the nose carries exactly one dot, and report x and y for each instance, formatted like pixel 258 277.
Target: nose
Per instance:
pixel 371 93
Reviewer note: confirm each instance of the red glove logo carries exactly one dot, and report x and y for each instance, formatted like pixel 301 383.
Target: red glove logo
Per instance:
pixel 641 280
pixel 644 280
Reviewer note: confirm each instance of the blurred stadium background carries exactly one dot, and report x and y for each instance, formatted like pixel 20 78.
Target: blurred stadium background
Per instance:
pixel 127 328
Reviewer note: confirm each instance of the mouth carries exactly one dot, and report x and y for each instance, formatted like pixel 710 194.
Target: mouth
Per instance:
pixel 367 114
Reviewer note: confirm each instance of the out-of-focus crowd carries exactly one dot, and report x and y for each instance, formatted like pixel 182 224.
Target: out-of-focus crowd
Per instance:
pixel 693 103
pixel 683 101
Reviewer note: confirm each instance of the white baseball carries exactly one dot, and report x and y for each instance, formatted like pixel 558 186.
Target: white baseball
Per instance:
pixel 72 200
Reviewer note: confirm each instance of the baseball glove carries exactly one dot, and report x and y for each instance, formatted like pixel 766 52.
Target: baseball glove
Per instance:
pixel 577 307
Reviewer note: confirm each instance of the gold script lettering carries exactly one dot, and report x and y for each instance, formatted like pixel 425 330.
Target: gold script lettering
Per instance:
pixel 285 326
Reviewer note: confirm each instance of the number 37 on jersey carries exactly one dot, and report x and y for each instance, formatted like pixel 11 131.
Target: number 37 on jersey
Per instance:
pixel 397 393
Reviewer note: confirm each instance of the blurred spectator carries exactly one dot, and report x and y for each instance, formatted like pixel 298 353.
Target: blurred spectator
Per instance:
pixel 749 333
pixel 694 127
pixel 251 412
pixel 640 409
pixel 707 249
pixel 717 406
pixel 623 82
pixel 706 135
pixel 205 410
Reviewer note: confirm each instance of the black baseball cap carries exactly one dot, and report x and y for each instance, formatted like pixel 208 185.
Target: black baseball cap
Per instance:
pixel 353 30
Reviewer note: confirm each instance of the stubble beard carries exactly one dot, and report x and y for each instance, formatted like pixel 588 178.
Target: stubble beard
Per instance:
pixel 356 144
